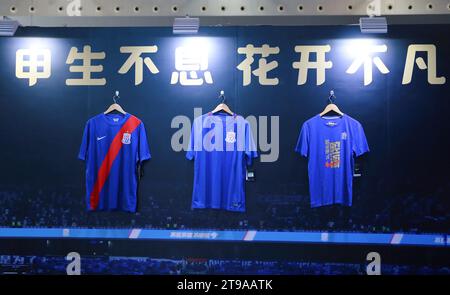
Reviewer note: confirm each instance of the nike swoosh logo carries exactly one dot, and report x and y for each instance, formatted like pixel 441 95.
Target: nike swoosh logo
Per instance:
pixel 100 138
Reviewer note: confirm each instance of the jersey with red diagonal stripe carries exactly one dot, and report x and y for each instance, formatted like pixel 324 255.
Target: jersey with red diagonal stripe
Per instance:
pixel 112 146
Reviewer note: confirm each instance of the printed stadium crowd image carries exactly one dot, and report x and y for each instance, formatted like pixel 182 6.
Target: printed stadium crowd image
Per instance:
pixel 414 213
pixel 54 265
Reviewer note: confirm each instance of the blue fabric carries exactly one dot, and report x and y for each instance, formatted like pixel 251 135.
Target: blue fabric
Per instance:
pixel 330 144
pixel 120 189
pixel 222 145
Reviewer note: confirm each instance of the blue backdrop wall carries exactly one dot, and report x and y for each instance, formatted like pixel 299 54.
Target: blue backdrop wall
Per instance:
pixel 405 178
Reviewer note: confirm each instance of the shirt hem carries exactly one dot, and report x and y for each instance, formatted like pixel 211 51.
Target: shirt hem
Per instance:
pixel 329 204
pixel 217 208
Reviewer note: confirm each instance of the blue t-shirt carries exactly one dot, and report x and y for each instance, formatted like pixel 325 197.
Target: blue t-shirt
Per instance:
pixel 330 144
pixel 222 145
pixel 112 146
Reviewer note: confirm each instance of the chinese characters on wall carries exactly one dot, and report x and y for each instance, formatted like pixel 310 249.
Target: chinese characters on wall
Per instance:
pixel 191 65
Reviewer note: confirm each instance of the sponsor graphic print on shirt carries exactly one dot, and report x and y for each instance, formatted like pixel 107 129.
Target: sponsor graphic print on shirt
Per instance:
pixel 332 153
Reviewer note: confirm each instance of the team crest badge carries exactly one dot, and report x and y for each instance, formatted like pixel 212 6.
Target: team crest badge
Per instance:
pixel 126 139
pixel 344 135
pixel 231 137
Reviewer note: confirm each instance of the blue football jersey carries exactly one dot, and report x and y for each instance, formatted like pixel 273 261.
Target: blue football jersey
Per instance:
pixel 222 146
pixel 112 146
pixel 331 143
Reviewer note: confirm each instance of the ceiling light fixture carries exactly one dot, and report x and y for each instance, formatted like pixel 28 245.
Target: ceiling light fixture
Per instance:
pixel 186 25
pixel 8 27
pixel 373 25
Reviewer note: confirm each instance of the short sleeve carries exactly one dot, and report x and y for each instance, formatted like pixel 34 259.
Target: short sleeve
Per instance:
pixel 144 150
pixel 83 153
pixel 303 141
pixel 250 147
pixel 359 141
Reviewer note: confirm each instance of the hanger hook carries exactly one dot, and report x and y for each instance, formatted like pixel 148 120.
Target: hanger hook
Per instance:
pixel 331 98
pixel 222 95
pixel 116 96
